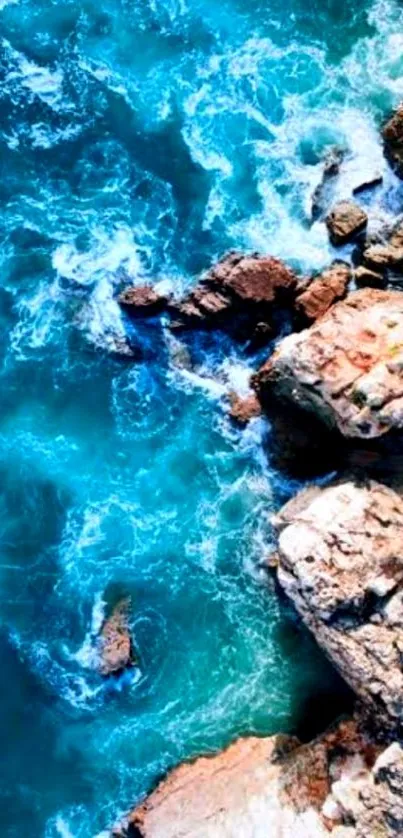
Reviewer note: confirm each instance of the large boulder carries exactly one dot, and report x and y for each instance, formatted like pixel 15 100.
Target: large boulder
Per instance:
pixel 393 140
pixel 347 368
pixel 114 648
pixel 239 286
pixel 341 785
pixel 340 560
pixel 324 290
pixel 345 221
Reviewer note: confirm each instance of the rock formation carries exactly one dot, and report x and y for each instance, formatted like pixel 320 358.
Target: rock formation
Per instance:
pixel 393 140
pixel 341 563
pixel 243 409
pixel 347 368
pixel 342 785
pixel 345 221
pixel 324 290
pixel 238 290
pixel 142 301
pixel 115 649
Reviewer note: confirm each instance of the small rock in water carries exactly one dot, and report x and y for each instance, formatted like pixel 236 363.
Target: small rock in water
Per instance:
pixel 142 301
pixel 242 410
pixel 366 278
pixel 115 648
pixel 322 195
pixel 370 183
pixel 345 222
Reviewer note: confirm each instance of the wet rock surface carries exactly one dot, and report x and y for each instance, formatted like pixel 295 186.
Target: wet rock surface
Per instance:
pixel 393 140
pixel 340 561
pixel 343 784
pixel 347 368
pixel 244 408
pixel 142 301
pixel 115 648
pixel 239 292
pixel 324 290
pixel 345 221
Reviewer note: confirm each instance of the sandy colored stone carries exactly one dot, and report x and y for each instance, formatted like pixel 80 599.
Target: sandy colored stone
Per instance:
pixel 275 788
pixel 341 563
pixel 115 649
pixel 347 368
pixel 345 221
pixel 142 301
pixel 324 290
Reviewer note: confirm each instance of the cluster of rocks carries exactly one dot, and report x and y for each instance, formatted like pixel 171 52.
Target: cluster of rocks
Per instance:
pixel 340 546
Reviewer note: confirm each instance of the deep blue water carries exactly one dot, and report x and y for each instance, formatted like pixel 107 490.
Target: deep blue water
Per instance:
pixel 141 140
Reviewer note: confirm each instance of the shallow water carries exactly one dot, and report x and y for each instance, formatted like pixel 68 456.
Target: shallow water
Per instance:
pixel 142 140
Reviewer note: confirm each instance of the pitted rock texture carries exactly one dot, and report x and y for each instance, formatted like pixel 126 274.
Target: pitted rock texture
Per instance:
pixel 393 140
pixel 324 290
pixel 115 649
pixel 347 368
pixel 238 285
pixel 341 785
pixel 345 221
pixel 340 560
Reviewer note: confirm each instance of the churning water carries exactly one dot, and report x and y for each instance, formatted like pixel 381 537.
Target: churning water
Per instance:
pixel 141 139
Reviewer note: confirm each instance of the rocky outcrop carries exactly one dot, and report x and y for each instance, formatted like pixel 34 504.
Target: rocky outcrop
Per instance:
pixel 114 648
pixel 347 368
pixel 340 560
pixel 393 140
pixel 341 785
pixel 142 301
pixel 345 222
pixel 324 290
pixel 367 278
pixel 239 290
pixel 243 409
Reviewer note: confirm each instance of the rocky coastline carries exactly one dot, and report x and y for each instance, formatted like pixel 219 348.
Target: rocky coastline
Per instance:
pixel 339 557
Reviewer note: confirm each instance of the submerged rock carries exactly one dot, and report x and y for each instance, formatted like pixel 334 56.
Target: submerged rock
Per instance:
pixel 340 561
pixel 324 290
pixel 323 193
pixel 393 140
pixel 369 183
pixel 345 222
pixel 115 648
pixel 342 784
pixel 240 291
pixel 347 368
pixel 142 301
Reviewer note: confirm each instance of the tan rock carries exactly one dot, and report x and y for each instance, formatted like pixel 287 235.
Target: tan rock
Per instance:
pixel 393 140
pixel 366 278
pixel 383 258
pixel 243 409
pixel 324 290
pixel 345 222
pixel 347 368
pixel 341 563
pixel 274 788
pixel 115 648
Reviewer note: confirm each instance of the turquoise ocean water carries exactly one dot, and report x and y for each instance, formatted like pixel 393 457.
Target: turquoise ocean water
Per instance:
pixel 141 140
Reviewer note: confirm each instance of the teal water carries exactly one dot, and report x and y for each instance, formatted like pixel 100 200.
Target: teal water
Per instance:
pixel 143 139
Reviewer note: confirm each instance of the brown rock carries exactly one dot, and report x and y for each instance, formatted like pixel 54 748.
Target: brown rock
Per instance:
pixel 366 278
pixel 384 258
pixel 345 222
pixel 323 193
pixel 115 648
pixel 142 301
pixel 347 368
pixel 324 290
pixel 393 140
pixel 339 785
pixel 246 286
pixel 341 563
pixel 244 409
